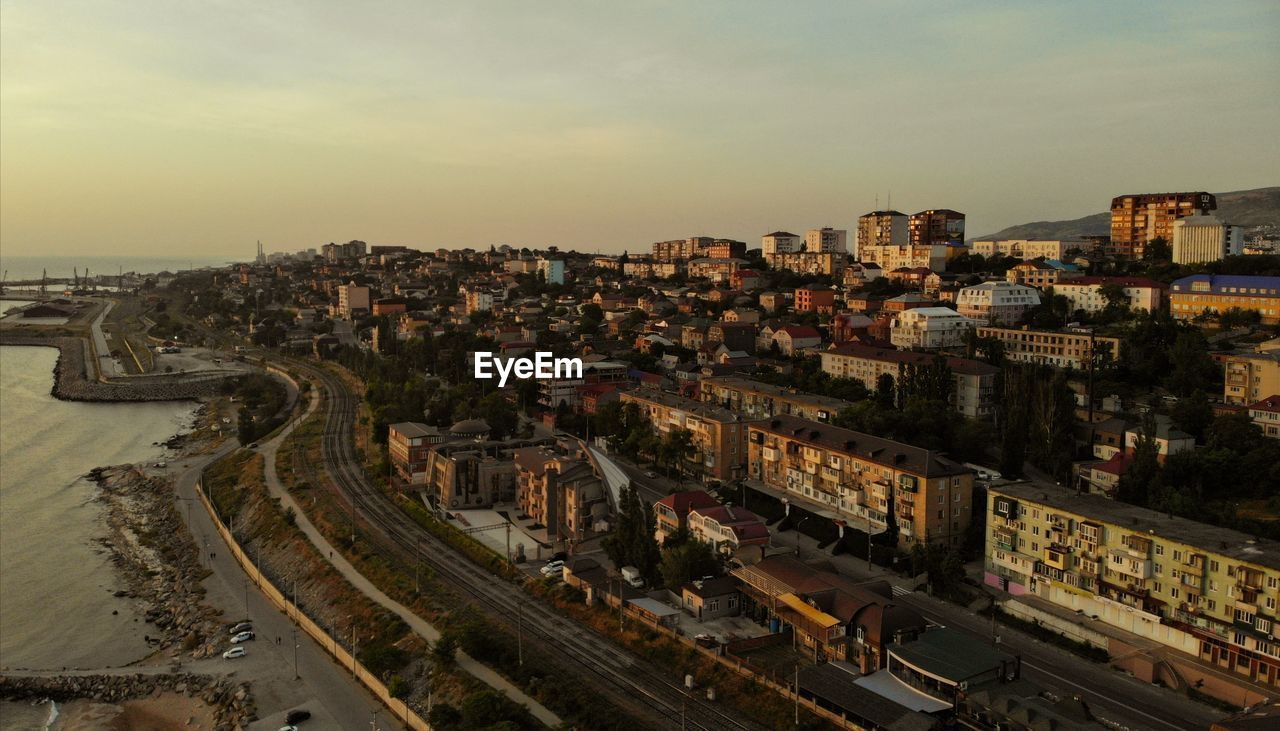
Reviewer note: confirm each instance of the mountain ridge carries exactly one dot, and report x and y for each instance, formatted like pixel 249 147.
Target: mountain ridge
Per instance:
pixel 1248 208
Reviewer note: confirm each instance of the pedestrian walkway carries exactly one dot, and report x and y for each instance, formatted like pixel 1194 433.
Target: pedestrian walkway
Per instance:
pixel 475 668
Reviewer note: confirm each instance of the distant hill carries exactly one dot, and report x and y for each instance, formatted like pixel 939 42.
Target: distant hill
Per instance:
pixel 1248 208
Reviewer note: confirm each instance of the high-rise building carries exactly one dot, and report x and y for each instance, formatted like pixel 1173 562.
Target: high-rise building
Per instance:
pixel 1199 239
pixel 940 226
pixel 1139 219
pixel 826 240
pixel 882 228
pixel 779 242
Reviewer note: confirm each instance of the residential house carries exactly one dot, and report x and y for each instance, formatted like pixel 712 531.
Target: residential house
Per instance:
pixel 975 381
pixel 671 513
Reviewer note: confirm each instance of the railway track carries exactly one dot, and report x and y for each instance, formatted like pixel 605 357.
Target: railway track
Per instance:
pixel 628 677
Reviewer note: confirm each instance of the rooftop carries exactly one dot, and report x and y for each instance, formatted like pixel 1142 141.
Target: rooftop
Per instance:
pixel 778 392
pixel 950 654
pixel 957 365
pixel 1220 541
pixel 866 446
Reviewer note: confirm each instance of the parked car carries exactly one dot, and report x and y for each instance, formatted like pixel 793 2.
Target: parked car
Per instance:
pixel 238 628
pixel 651 474
pixel 242 637
pixel 552 568
pixel 297 716
pixel 234 652
pixel 288 728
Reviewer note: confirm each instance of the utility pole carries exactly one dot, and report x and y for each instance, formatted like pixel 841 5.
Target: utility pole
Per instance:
pixel 417 563
pixel 296 676
pixel 246 598
pixel 520 631
pixel 797 691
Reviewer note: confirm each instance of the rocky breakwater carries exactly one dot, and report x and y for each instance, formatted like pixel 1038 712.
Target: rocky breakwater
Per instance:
pixel 231 702
pixel 71 384
pixel 158 560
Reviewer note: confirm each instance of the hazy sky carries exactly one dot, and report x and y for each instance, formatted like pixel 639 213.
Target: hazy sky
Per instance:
pixel 188 128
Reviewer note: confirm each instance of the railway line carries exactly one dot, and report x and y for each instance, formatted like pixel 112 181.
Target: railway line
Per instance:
pixel 632 681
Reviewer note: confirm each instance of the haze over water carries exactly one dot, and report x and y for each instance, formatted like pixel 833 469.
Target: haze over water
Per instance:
pixel 55 579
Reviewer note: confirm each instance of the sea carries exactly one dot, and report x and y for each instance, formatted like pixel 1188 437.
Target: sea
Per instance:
pixel 57 607
pixel 18 268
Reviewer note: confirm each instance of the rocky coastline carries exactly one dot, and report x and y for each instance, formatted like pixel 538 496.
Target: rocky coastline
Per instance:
pixel 158 560
pixel 231 701
pixel 70 382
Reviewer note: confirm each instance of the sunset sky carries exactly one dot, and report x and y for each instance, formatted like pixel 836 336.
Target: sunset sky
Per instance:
pixel 197 128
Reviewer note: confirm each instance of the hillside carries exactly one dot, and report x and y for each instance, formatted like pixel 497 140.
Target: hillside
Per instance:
pixel 1248 208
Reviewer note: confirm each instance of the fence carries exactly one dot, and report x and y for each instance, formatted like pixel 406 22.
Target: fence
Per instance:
pixel 397 707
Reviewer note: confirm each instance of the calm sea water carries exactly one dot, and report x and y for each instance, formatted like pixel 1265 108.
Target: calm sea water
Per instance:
pixel 56 607
pixel 30 267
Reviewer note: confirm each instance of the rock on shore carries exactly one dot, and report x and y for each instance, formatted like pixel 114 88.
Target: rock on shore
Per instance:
pixel 232 703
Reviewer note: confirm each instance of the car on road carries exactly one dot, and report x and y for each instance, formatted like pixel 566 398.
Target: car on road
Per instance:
pixel 253 446
pixel 651 474
pixel 234 652
pixel 242 637
pixel 288 728
pixel 297 716
pixel 238 628
pixel 552 568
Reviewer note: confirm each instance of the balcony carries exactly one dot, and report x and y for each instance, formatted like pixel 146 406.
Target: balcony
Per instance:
pixel 771 454
pixel 1123 562
pixel 1247 578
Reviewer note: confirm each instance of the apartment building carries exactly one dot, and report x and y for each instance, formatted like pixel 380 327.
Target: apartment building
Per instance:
pixel 1208 591
pixel 936 226
pixel 929 328
pixel 561 491
pixel 1249 377
pixel 479 300
pixel 1217 293
pixel 864 479
pixel 353 300
pixel 759 400
pixel 905 256
pixel 882 228
pixel 815 298
pixel 1199 239
pixel 1086 293
pixel 553 392
pixel 1062 349
pixel 552 270
pixel 719 436
pixel 779 242
pixel 975 381
pixel 467 473
pixel 409 445
pixel 681 249
pixel 1029 248
pixel 649 269
pixel 997 303
pixel 826 240
pixel 1136 220
pixel 1039 274
pixel 808 262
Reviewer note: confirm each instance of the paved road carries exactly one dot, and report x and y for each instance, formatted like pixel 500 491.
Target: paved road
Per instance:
pixel 326 689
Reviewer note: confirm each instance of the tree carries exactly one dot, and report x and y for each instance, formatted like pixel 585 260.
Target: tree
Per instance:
pixel 1193 414
pixel 244 425
pixel 690 560
pixel 632 542
pixel 1193 367
pixel 675 449
pixel 1141 479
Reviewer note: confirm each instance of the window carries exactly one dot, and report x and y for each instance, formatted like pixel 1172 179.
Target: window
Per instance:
pixel 1159 550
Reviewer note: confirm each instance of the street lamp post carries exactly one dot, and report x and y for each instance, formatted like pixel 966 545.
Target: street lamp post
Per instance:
pixel 798 524
pixel 296 676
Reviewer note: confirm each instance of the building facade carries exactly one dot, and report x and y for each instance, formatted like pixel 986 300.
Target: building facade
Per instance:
pixel 864 479
pixel 1137 220
pixel 719 436
pixel 882 228
pixel 1207 591
pixel 975 381
pixel 936 226
pixel 929 328
pixel 759 400
pixel 826 240
pixel 1087 293
pixel 996 303
pixel 1066 349
pixel 1198 239
pixel 807 262
pixel 779 242
pixel 1214 294
pixel 1249 377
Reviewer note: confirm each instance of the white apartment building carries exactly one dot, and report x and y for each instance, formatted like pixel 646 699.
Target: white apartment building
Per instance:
pixel 996 302
pixel 352 298
pixel 1028 248
pixel 1085 293
pixel 552 270
pixel 526 265
pixel 779 242
pixel 893 256
pixel 1199 239
pixel 830 240
pixel 479 300
pixel 925 328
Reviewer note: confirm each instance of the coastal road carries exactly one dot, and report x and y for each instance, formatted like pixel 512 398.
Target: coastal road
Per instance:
pixel 326 689
pixel 621 678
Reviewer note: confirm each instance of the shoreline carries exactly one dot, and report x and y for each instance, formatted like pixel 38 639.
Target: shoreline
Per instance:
pixel 71 382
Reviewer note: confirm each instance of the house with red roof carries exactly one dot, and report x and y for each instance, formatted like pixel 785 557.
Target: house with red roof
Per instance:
pixel 1266 414
pixel 727 528
pixel 672 512
pixel 794 338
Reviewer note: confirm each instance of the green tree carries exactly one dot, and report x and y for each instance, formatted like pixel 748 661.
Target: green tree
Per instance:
pixel 632 542
pixel 690 560
pixel 1141 479
pixel 244 425
pixel 1193 414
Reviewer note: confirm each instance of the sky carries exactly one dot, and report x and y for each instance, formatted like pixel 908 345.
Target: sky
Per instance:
pixel 185 128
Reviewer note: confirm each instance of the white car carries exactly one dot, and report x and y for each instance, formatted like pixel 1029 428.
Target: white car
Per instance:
pixel 552 568
pixel 651 474
pixel 234 652
pixel 242 637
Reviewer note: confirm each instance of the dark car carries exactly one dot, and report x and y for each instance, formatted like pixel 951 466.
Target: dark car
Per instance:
pixel 297 716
